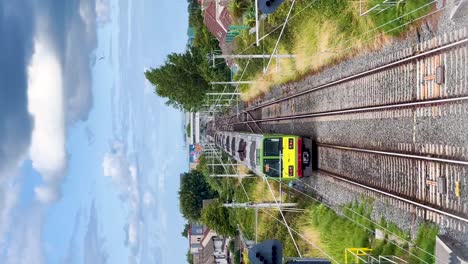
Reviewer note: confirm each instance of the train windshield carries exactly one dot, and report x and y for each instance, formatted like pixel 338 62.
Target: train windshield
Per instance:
pixel 272 147
pixel 271 167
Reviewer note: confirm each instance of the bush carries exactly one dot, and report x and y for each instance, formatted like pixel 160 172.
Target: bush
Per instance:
pixel 193 190
pixel 215 216
pixel 425 240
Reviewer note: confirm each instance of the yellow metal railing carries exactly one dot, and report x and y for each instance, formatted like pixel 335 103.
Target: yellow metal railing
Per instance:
pixel 358 254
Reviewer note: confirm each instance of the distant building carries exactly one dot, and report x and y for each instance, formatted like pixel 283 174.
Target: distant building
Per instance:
pixel 195 236
pixel 217 20
pixel 206 246
pixel 191 36
pixel 193 146
pixel 204 4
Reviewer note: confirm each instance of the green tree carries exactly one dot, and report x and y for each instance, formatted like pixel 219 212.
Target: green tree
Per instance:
pixel 216 217
pixel 189 257
pixel 186 229
pixel 180 80
pixel 193 190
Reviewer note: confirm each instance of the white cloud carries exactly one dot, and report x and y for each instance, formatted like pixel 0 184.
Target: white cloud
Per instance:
pixel 8 201
pixel 133 231
pixel 148 199
pixel 124 176
pixel 93 244
pixel 26 245
pixel 87 14
pixel 46 105
pixel 162 176
pixel 47 194
pixel 116 166
pixel 103 11
pixel 58 89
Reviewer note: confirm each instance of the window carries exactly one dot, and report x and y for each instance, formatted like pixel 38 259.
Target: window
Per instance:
pixel 252 156
pixel 272 147
pixel 233 145
pixel 271 167
pixel 241 150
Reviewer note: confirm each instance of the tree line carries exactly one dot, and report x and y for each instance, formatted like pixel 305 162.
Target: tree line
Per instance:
pixel 184 78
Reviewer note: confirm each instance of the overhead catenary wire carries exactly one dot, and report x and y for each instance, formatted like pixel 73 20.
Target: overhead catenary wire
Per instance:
pixel 362 216
pixel 273 30
pixel 285 224
pixel 407 23
pixel 282 215
pixel 411 21
pixel 340 213
pixel 279 37
pixel 363 34
pixel 303 237
pixel 388 22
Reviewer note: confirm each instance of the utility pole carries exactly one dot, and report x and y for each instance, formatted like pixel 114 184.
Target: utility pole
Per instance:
pixel 231 175
pixel 222 93
pixel 260 205
pixel 233 83
pixel 251 56
pixel 257 206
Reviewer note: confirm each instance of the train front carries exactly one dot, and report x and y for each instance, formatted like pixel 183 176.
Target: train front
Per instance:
pixel 287 155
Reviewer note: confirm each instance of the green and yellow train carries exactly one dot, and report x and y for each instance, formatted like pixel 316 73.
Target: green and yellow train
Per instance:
pixel 273 155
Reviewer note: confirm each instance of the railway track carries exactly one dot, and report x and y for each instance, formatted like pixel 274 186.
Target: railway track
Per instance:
pixel 452 223
pixel 430 183
pixel 414 170
pixel 431 73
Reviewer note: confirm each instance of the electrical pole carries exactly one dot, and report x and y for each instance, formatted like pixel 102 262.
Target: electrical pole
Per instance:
pixel 257 206
pixel 251 56
pixel 233 83
pixel 231 175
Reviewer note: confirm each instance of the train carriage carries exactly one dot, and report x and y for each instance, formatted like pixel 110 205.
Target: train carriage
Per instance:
pixel 273 155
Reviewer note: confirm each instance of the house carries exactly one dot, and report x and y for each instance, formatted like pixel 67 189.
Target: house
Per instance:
pixel 214 249
pixel 206 246
pixel 217 20
pixel 195 236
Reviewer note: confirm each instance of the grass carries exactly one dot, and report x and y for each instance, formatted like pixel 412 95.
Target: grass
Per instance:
pixel 320 225
pixel 414 9
pixel 330 231
pixel 425 240
pixel 336 232
pixel 324 33
pixel 237 8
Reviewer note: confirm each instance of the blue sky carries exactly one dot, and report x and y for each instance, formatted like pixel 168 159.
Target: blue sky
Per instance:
pixel 90 157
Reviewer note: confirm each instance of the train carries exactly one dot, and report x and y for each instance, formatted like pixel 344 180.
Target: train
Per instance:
pixel 289 157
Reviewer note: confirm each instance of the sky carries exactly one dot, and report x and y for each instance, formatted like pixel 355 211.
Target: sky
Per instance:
pixel 90 157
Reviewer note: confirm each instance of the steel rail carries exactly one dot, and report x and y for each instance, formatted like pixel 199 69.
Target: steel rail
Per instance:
pixel 256 124
pixel 358 110
pixel 361 74
pixel 396 154
pixel 342 178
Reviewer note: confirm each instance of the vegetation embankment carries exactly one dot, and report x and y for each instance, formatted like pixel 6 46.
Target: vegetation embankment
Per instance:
pixel 320 33
pixel 318 225
pixel 184 78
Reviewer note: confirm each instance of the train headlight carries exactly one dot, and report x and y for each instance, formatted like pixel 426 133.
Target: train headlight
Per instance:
pixel 291 143
pixel 291 170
